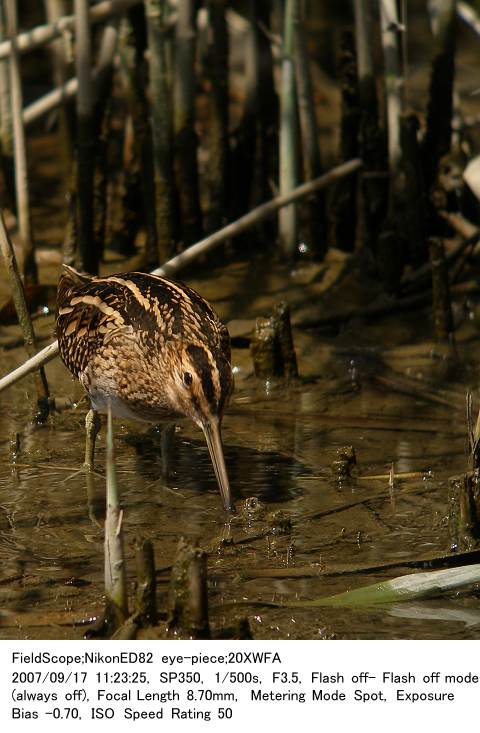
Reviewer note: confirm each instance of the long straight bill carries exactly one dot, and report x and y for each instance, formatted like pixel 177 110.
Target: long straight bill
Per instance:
pixel 213 436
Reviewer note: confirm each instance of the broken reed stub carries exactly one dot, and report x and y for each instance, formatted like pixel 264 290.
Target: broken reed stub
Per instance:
pixel 283 329
pixel 272 347
pixel 188 592
pixel 346 461
pixel 464 512
pixel 442 306
pixel 146 585
pixel 265 350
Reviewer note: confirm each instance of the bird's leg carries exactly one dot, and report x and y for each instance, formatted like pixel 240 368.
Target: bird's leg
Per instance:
pixel 166 447
pixel 92 428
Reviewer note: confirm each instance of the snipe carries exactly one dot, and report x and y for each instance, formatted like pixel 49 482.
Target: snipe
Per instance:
pixel 150 347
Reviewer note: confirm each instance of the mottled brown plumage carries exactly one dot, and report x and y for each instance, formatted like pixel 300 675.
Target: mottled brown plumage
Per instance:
pixel 149 347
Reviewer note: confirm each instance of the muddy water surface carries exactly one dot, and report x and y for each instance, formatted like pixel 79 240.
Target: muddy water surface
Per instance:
pixel 280 441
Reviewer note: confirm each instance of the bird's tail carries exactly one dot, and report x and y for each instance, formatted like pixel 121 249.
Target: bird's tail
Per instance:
pixel 74 277
pixel 70 281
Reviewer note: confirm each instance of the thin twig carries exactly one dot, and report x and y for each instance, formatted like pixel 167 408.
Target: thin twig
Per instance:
pixel 18 296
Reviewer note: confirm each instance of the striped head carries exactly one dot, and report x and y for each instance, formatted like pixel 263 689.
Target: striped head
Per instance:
pixel 199 386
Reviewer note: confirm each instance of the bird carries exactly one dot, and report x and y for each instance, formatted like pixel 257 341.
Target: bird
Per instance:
pixel 148 348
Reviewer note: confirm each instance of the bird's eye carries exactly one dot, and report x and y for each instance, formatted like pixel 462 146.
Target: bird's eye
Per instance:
pixel 187 379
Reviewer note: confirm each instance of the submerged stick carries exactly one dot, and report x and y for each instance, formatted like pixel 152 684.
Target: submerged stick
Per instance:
pixel 205 245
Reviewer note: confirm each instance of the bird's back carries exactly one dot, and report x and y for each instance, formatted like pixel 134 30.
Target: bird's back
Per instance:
pixel 92 309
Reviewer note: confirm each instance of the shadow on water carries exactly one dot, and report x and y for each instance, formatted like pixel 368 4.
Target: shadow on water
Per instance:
pixel 269 476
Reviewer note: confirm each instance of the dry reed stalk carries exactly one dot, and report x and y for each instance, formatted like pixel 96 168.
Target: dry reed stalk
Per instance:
pixel 54 10
pixel 43 34
pixel 30 271
pixel 393 78
pixel 372 143
pixel 162 130
pixel 312 165
pixel 442 306
pixel 87 257
pixel 440 104
pixel 18 296
pixel 185 136
pixel 218 148
pixel 6 127
pixel 288 174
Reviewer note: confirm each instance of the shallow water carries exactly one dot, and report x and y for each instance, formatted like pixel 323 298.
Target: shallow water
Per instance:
pixel 280 442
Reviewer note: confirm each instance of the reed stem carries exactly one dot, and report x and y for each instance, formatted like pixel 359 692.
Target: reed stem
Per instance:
pixel 18 296
pixel 115 567
pixel 186 140
pixel 440 104
pixel 393 80
pixel 6 127
pixel 218 149
pixel 30 271
pixel 146 600
pixel 162 130
pixel 87 257
pixel 312 165
pixel 54 10
pixel 288 178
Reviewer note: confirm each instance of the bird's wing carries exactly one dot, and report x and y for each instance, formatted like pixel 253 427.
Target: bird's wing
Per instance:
pixel 88 313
